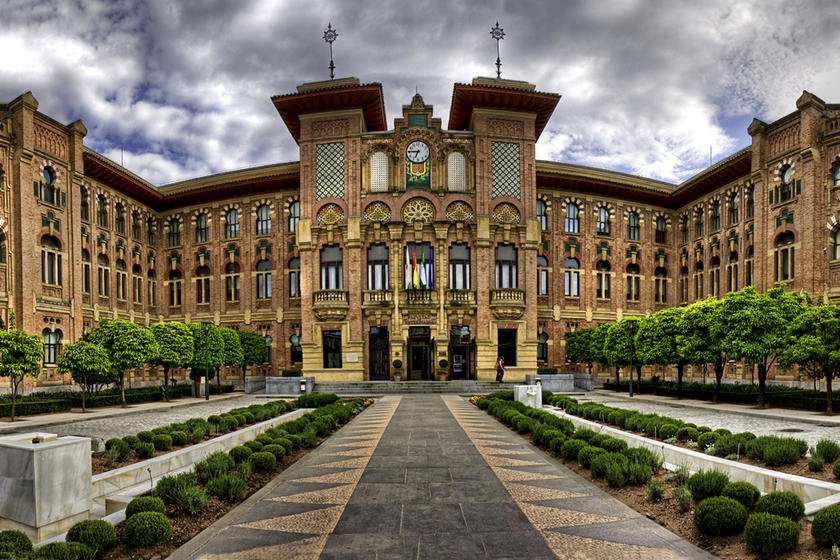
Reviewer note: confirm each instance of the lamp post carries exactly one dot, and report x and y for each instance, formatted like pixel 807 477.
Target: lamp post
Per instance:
pixel 206 361
pixel 631 330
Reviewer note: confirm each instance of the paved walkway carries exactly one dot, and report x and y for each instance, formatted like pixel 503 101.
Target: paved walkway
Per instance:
pixel 431 476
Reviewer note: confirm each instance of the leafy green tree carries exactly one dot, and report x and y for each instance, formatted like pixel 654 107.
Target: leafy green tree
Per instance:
pixel 815 344
pixel 233 355
pixel 87 364
pixel 208 351
pixel 657 341
pixel 755 327
pixel 129 347
pixel 597 347
pixel 175 344
pixel 697 344
pixel 617 348
pixel 20 357
pixel 578 348
pixel 254 351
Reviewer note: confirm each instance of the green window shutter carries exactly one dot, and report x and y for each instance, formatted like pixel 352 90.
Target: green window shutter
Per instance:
pixel 771 197
pixel 37 190
pixel 798 186
pixel 64 199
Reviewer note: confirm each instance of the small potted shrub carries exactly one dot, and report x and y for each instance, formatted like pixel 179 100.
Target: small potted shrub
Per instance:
pixel 397 370
pixel 443 373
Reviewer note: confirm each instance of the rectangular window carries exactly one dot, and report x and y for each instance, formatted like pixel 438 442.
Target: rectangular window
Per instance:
pixel 632 288
pixel 202 290
pixel 419 266
pixel 264 285
pixel 332 349
pixel 698 286
pixel 659 290
pixel 137 288
pixel 543 281
pixel 103 282
pixel 121 285
pixel 86 278
pixel 572 283
pixel 233 287
pixel 459 266
pixel 152 288
pixel 748 279
pixel 661 236
pixel 602 287
pixel 378 270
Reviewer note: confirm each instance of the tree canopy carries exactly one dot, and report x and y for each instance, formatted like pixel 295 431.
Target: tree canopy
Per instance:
pixel 129 346
pixel 20 357
pixel 207 349
pixel 254 351
pixel 578 347
pixel 175 348
pixel 87 364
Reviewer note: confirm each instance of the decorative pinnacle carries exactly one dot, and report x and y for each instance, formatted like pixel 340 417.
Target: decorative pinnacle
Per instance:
pixel 330 35
pixel 498 34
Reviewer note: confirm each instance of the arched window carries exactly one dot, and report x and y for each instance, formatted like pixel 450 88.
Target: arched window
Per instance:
pixel 264 279
pixel 50 261
pixel 633 281
pixel 714 222
pixel 633 226
pixel 660 285
pixel 137 283
pixel 296 350
pixel 263 220
pixel 3 248
pixel 684 229
pixel 52 340
pixel 377 267
pixel 542 347
pixel 698 223
pixel 784 257
pixel 85 271
pixel 714 276
pixel 748 278
pixel 202 285
pixel 174 232
pixel 837 175
pixel 135 225
pixel 732 272
pixel 379 172
pixel 294 278
pixel 150 231
pixel 571 278
pixel 506 266
pixel 233 281
pixel 786 188
pixel 121 279
pixel 541 215
pixel 232 224
pixel 332 268
pixel 749 197
pixel 175 282
pixel 698 281
pixel 119 219
pixel 202 228
pixel 104 275
pixel 152 283
pixel 661 230
pixel 602 279
pixel 836 248
pixel 733 209
pixel 542 276
pixel 48 191
pixel 294 216
pixel 457 172
pixel 603 224
pixel 684 284
pixel 572 218
pixel 85 206
pixel 459 266
pixel 101 211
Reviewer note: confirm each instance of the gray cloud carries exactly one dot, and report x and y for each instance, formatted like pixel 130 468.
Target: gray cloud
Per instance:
pixel 182 89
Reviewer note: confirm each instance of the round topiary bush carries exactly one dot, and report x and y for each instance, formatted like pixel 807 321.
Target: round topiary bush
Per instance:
pixel 145 437
pixel 826 526
pixel 240 418
pixel 254 446
pixel 131 441
pixel 215 419
pixel 79 551
pixel 667 431
pixel 145 450
pixel 707 484
pixel 744 492
pixel 15 541
pixel 770 535
pixel 228 424
pixel 179 437
pixel 295 439
pixel 96 534
pixel 720 516
pixel 571 448
pixel 584 434
pixel 162 442
pixel 723 432
pixel 162 430
pixel 836 469
pixel 600 463
pixel 263 461
pixel 147 529
pixel 249 417
pixel 614 445
pixel 240 453
pixel 785 504
pixel 597 439
pixel 555 443
pixel 55 551
pixel 707 439
pixel 687 433
pixel 615 476
pixel 285 441
pixel 586 455
pixel 117 448
pixel 277 450
pixel 829 450
pixel 144 503
pixel 264 439
pixel 703 429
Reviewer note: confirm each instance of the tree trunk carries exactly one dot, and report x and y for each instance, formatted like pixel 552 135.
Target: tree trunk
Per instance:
pixel 680 368
pixel 166 383
pixel 83 399
pixel 590 368
pixel 829 406
pixel 639 378
pixel 718 378
pixel 618 380
pixel 219 379
pixel 14 396
pixel 122 389
pixel 195 382
pixel 762 379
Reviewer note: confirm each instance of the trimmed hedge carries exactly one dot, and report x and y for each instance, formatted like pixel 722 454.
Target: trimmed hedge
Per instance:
pixel 142 504
pixel 15 541
pixel 96 534
pixel 33 408
pixel 147 528
pixel 316 400
pixel 744 492
pixel 707 484
pixel 769 535
pixel 826 526
pixel 785 504
pixel 720 516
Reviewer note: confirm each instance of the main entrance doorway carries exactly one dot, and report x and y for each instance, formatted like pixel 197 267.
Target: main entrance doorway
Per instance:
pixel 419 353
pixel 380 353
pixel 459 352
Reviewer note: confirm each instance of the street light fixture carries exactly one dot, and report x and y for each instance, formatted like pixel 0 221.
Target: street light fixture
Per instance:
pixel 206 360
pixel 631 330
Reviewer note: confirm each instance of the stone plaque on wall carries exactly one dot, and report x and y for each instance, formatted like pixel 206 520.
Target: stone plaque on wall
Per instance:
pixel 352 357
pixel 419 320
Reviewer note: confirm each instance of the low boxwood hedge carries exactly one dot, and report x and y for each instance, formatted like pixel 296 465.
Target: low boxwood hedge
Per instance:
pixel 770 535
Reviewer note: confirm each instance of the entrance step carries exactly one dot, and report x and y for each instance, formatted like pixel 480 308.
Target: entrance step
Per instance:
pixel 365 388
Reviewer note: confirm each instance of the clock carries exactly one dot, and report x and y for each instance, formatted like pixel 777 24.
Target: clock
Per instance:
pixel 417 152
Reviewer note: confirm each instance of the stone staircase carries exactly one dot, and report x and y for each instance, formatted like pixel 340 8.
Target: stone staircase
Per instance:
pixel 375 388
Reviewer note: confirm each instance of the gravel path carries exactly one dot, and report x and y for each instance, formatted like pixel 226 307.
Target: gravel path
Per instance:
pixel 760 426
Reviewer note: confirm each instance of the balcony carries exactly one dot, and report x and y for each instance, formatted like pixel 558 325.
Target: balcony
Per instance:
pixel 507 303
pixel 460 298
pixel 418 298
pixel 377 299
pixel 331 305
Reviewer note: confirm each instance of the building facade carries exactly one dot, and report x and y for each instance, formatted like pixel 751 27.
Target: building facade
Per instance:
pixel 437 247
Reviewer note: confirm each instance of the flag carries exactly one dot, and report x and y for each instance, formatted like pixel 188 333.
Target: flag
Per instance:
pixel 407 270
pixel 423 268
pixel 431 269
pixel 414 269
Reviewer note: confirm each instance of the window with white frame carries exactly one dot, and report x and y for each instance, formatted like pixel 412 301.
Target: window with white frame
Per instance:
pixel 233 282
pixel 202 285
pixel 542 215
pixel 104 273
pixel 52 343
pixel 294 278
pixel 660 285
pixel 263 219
pixel 332 268
pixel 571 278
pixel 379 172
pixel 175 284
pixel 152 284
pixel 137 284
pixel 784 257
pixel 698 281
pixel 122 279
pixel 294 216
pixel 459 266
pixel 602 279
pixel 378 272
pixel 714 277
pixel 732 272
pixel 572 218
pixel 50 261
pixel 542 276
pixel 748 267
pixel 633 282
pixel 264 279
pixel 457 172
pixel 506 266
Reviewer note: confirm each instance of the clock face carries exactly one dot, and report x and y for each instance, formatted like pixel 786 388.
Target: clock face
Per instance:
pixel 417 152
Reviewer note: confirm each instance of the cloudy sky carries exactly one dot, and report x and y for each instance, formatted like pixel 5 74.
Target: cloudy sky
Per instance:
pixel 180 89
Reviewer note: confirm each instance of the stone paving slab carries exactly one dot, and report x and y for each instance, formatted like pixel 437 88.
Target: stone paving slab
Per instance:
pixel 410 495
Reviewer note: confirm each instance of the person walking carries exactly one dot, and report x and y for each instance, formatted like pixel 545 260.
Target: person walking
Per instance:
pixel 500 369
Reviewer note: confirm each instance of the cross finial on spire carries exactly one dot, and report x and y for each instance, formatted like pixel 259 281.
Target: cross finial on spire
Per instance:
pixel 498 34
pixel 330 35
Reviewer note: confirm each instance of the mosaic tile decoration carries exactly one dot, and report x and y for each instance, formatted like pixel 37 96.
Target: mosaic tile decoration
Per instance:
pixel 506 181
pixel 377 212
pixel 460 212
pixel 506 213
pixel 329 170
pixel 330 214
pixel 418 210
